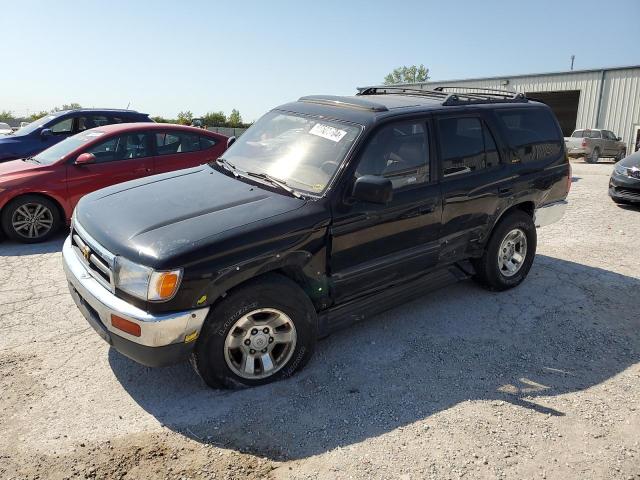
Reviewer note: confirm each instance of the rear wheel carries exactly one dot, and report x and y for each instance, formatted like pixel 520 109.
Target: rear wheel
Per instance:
pixel 30 219
pixel 261 332
pixel 594 157
pixel 509 253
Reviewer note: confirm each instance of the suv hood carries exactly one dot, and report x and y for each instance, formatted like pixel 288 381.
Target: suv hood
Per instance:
pixel 151 219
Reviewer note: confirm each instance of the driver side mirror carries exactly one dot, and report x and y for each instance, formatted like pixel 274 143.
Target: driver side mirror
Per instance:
pixel 231 141
pixel 618 138
pixel 85 158
pixel 46 132
pixel 373 189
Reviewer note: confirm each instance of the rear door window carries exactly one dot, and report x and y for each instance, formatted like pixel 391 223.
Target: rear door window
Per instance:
pixel 85 122
pixel 466 145
pixel 170 143
pixel 532 133
pixel 207 142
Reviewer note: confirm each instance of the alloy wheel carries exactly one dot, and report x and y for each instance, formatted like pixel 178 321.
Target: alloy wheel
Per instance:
pixel 32 220
pixel 512 252
pixel 260 343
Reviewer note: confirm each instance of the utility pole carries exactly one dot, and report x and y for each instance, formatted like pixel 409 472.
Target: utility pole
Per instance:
pixel 573 57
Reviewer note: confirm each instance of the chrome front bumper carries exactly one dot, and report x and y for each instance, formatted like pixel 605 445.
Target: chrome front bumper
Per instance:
pixel 550 213
pixel 98 304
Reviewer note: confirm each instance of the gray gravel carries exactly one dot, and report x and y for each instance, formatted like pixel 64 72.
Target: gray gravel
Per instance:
pixel 539 382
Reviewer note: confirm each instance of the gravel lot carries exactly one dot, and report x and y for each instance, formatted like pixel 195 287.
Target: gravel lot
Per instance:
pixel 539 382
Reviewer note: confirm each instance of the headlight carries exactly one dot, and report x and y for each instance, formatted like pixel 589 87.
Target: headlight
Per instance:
pixel 620 170
pixel 144 282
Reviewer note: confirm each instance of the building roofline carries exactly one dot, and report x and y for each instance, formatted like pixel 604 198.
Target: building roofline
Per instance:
pixel 521 75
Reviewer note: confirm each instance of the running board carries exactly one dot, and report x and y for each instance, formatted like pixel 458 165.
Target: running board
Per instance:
pixel 341 316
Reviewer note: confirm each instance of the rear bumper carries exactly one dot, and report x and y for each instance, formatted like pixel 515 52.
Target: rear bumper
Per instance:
pixel 163 338
pixel 550 213
pixel 577 152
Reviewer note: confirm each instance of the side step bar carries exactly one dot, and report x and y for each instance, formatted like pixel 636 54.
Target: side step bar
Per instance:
pixel 341 316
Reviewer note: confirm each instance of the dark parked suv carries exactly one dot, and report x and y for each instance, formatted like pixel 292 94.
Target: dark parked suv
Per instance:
pixel 56 126
pixel 325 211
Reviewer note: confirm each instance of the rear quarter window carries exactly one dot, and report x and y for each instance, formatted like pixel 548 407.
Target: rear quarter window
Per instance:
pixel 532 133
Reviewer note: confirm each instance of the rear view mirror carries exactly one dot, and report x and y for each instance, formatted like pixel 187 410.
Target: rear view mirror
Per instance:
pixel 373 189
pixel 85 158
pixel 230 141
pixel 46 132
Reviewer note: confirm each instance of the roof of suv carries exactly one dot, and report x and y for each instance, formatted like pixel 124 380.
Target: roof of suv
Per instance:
pixel 97 110
pixel 375 103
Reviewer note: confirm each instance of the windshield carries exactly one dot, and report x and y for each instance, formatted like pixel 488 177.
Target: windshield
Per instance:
pixel 69 144
pixel 33 126
pixel 586 134
pixel 303 152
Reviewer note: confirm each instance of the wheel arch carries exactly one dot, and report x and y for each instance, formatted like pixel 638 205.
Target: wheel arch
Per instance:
pixel 527 206
pixel 51 198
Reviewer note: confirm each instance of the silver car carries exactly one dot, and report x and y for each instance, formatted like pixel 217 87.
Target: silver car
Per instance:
pixel 592 144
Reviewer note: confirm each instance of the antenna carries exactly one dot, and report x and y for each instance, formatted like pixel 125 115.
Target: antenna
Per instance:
pixel 573 57
pixel 130 100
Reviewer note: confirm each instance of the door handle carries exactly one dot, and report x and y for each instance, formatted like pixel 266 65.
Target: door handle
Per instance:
pixel 504 192
pixel 427 209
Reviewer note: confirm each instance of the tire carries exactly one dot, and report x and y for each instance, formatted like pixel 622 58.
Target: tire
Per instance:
pixel 621 201
pixel 594 157
pixel 16 222
pixel 221 352
pixel 620 156
pixel 489 271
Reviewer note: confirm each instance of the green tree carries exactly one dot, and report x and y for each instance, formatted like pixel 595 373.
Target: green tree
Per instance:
pixel 159 119
pixel 215 119
pixel 36 115
pixel 68 106
pixel 412 74
pixel 235 119
pixel 6 115
pixel 185 118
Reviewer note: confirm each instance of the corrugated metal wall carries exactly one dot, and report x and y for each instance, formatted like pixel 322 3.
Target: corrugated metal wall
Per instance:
pixel 620 103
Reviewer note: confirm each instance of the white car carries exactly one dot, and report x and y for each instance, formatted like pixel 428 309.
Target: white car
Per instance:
pixel 5 129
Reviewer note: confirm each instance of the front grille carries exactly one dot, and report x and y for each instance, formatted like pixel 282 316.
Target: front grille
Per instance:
pixel 627 192
pixel 96 258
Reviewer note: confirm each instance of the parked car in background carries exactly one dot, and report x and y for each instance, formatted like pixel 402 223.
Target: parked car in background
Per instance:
pixel 624 183
pixel 324 212
pixel 593 144
pixel 5 128
pixel 55 127
pixel 38 193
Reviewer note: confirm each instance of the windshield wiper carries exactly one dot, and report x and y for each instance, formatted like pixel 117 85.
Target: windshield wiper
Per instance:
pixel 31 159
pixel 276 182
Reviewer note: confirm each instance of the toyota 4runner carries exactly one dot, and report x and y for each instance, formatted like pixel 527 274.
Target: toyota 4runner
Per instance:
pixel 325 211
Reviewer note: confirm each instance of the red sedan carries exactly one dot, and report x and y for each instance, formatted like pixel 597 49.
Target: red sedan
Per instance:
pixel 38 193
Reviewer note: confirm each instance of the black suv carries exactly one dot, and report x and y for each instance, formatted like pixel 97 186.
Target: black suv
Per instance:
pixel 325 211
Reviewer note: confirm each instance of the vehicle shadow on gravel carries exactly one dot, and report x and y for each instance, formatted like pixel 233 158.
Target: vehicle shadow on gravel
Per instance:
pixel 567 328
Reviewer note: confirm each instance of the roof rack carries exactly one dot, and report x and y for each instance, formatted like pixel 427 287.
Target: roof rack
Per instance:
pixel 349 102
pixel 457 97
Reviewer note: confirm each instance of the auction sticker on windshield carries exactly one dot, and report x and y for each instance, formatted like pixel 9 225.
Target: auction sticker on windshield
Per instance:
pixel 327 131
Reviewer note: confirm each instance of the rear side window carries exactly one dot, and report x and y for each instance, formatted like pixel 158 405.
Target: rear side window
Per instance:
pixel 206 142
pixel 466 145
pixel 171 143
pixel 86 122
pixel 532 133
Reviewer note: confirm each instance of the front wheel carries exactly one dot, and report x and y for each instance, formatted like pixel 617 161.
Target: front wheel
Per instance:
pixel 30 219
pixel 261 332
pixel 620 156
pixel 509 253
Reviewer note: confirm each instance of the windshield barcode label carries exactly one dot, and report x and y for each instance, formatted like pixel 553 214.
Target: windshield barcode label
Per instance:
pixel 327 131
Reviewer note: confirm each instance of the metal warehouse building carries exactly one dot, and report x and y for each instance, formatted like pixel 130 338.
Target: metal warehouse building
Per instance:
pixel 607 98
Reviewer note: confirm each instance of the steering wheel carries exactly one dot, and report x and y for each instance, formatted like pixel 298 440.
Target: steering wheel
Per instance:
pixel 329 167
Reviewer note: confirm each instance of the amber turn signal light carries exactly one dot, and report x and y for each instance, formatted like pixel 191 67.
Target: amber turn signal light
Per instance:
pixel 125 325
